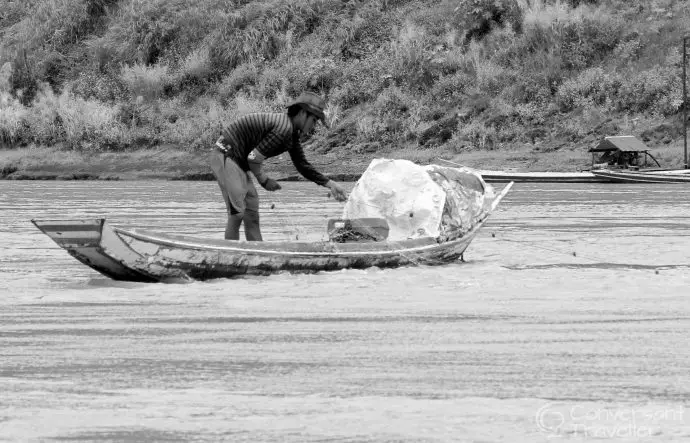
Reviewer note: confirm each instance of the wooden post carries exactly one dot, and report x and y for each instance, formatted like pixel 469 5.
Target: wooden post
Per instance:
pixel 685 107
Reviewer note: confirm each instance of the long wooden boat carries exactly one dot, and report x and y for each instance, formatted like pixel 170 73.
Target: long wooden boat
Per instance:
pixel 144 256
pixel 669 176
pixel 540 177
pixel 533 177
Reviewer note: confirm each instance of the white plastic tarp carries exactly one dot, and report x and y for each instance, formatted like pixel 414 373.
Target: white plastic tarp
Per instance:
pixel 419 201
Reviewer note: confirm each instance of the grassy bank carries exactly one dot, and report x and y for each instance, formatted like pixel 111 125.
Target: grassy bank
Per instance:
pixel 133 88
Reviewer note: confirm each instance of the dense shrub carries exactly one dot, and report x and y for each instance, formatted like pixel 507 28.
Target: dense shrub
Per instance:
pixel 47 31
pixel 477 135
pixel 92 85
pixel 141 32
pixel 532 88
pixel 362 34
pixel 241 79
pixel 362 80
pixel 479 17
pixel 53 69
pixel 23 79
pixel 655 90
pixel 576 3
pixel 412 62
pixel 589 40
pixel 50 25
pixel 294 76
pixel 451 88
pixel 593 86
pixel 258 31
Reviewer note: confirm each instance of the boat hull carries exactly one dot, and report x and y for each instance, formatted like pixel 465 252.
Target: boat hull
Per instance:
pixel 152 257
pixel 179 257
pixel 676 176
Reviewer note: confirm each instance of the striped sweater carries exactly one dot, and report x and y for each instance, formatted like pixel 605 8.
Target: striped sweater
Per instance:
pixel 270 134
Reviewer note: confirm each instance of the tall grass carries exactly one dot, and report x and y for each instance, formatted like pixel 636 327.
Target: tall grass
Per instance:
pixel 81 123
pixel 537 14
pixel 52 24
pixel 12 117
pixel 147 82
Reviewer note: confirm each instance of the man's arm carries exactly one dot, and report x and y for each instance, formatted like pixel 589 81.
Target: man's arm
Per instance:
pixel 305 168
pixel 310 173
pixel 255 160
pixel 272 140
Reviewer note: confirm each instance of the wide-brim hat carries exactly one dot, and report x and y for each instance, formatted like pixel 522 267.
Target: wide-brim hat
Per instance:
pixel 311 103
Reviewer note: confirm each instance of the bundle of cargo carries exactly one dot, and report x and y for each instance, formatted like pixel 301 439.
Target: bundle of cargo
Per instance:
pixel 420 201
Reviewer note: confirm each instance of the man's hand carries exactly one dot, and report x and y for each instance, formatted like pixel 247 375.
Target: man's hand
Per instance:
pixel 270 185
pixel 337 191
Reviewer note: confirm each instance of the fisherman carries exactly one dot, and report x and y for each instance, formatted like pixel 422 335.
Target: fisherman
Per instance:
pixel 247 142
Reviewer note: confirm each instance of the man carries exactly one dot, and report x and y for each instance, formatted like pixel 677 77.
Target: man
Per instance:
pixel 247 142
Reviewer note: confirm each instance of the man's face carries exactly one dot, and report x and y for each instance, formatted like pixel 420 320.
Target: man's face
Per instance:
pixel 308 123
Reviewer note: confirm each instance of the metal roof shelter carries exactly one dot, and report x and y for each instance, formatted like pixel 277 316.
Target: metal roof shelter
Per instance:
pixel 620 143
pixel 621 151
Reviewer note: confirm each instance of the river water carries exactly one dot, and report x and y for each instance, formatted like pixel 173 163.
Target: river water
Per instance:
pixel 569 319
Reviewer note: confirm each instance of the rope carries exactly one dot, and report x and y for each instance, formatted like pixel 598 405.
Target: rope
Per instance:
pixel 286 219
pixel 543 248
pixel 599 259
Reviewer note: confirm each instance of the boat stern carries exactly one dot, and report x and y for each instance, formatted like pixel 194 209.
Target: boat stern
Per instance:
pixel 95 244
pixel 72 233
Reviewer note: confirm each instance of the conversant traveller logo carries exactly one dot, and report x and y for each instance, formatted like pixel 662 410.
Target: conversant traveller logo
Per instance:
pixel 607 422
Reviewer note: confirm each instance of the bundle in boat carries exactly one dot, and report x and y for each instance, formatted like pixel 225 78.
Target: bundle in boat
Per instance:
pixel 410 201
pixel 357 230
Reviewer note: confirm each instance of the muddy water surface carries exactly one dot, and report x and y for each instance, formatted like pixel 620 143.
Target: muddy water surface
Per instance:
pixel 570 319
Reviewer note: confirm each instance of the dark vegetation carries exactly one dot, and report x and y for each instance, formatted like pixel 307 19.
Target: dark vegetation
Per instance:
pixel 438 75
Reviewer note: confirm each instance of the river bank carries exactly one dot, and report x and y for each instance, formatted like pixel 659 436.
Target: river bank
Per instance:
pixel 170 163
